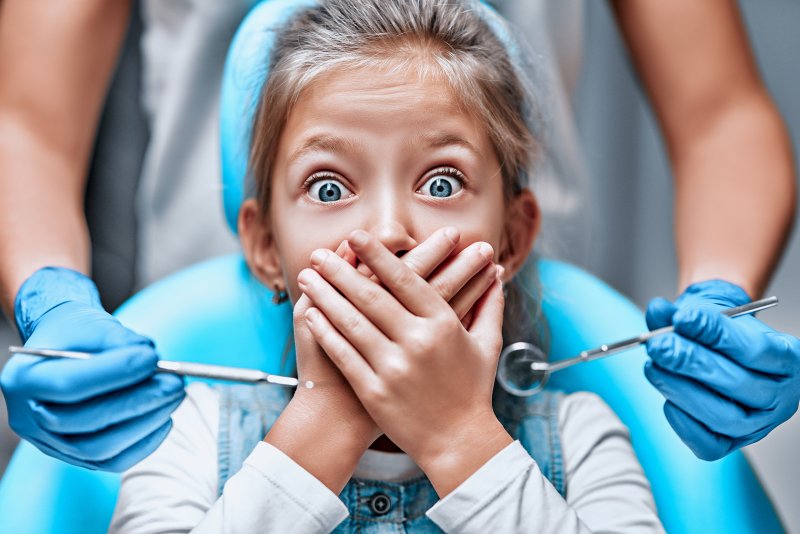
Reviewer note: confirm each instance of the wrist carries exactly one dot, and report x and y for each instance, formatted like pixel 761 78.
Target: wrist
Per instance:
pixel 325 442
pixel 47 288
pixel 743 287
pixel 718 291
pixel 458 454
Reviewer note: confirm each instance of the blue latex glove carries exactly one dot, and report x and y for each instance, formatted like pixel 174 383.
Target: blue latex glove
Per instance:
pixel 106 413
pixel 728 382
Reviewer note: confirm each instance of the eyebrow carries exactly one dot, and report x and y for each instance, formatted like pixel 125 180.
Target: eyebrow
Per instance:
pixel 325 143
pixel 443 139
pixel 340 145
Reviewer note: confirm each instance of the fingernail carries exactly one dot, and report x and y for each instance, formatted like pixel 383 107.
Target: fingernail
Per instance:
pixel 500 272
pixel 358 238
pixel 340 248
pixel 305 277
pixel 318 257
pixel 311 315
pixel 452 234
pixel 485 250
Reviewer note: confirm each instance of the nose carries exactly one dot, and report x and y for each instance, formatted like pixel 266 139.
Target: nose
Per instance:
pixel 394 237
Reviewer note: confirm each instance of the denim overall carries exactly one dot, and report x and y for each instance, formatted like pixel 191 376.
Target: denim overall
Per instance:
pixel 248 412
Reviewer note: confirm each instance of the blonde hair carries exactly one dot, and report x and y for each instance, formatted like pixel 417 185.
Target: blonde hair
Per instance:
pixel 451 39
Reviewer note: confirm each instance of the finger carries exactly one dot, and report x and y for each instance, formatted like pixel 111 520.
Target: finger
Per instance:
pixel 743 339
pixel 463 302
pixel 713 293
pixel 100 412
pixel 427 256
pixel 682 356
pixel 112 441
pixel 349 321
pixel 487 321
pixel 466 321
pixel 659 313
pixel 408 287
pixel 721 415
pixel 369 298
pixel 138 451
pixel 457 271
pixel 86 329
pixel 346 253
pixel 356 370
pixel 68 380
pixel 120 462
pixel 704 443
pixel 433 252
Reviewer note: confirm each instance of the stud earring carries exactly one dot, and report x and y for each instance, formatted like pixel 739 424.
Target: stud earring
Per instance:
pixel 279 296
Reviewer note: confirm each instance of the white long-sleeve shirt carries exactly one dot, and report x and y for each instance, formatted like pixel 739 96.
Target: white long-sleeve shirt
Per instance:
pixel 175 489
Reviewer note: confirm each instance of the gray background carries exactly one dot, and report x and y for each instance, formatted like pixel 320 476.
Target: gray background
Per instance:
pixel 629 199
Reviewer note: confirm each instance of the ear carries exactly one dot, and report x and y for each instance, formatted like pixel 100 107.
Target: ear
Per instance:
pixel 258 245
pixel 521 226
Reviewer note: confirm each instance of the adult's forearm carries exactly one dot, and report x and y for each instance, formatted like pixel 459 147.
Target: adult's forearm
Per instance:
pixel 735 195
pixel 41 212
pixel 56 60
pixel 730 153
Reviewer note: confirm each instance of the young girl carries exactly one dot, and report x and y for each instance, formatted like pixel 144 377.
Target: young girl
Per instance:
pixel 395 134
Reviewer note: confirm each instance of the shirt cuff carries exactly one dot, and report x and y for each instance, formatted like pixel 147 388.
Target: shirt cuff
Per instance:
pixel 482 487
pixel 302 488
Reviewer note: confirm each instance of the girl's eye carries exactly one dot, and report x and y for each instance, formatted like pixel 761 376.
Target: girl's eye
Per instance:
pixel 328 190
pixel 444 183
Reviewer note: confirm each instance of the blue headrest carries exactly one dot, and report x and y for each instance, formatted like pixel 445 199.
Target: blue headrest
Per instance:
pixel 246 69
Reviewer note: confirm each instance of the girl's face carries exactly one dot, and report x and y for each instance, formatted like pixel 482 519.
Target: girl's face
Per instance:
pixel 388 153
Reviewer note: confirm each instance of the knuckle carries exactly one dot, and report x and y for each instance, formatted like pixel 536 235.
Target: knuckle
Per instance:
pixel 769 402
pixel 352 323
pixel 686 357
pixel 396 369
pixel 336 350
pixel 761 346
pixel 730 420
pixel 726 420
pixel 418 341
pixel 60 385
pixel 443 287
pixel 369 295
pixel 375 393
pixel 415 264
pixel 404 278
pixel 447 325
pixel 788 352
pixel 332 264
pixel 45 418
pixel 299 310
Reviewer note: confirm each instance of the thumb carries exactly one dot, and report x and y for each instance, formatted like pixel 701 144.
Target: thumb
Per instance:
pixel 659 313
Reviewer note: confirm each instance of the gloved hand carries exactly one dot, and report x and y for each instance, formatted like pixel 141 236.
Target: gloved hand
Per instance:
pixel 106 413
pixel 728 382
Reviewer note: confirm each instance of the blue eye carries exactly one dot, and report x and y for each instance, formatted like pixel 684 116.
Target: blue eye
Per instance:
pixel 445 183
pixel 328 190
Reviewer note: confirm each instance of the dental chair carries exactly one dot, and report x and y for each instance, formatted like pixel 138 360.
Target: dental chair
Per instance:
pixel 216 312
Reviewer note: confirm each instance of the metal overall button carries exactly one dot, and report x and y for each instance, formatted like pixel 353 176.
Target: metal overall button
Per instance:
pixel 380 504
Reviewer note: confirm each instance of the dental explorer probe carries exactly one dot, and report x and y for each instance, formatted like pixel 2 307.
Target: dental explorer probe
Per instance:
pixel 202 370
pixel 606 350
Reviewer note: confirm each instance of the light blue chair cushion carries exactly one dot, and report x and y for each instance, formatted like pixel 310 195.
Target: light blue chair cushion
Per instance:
pixel 216 312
